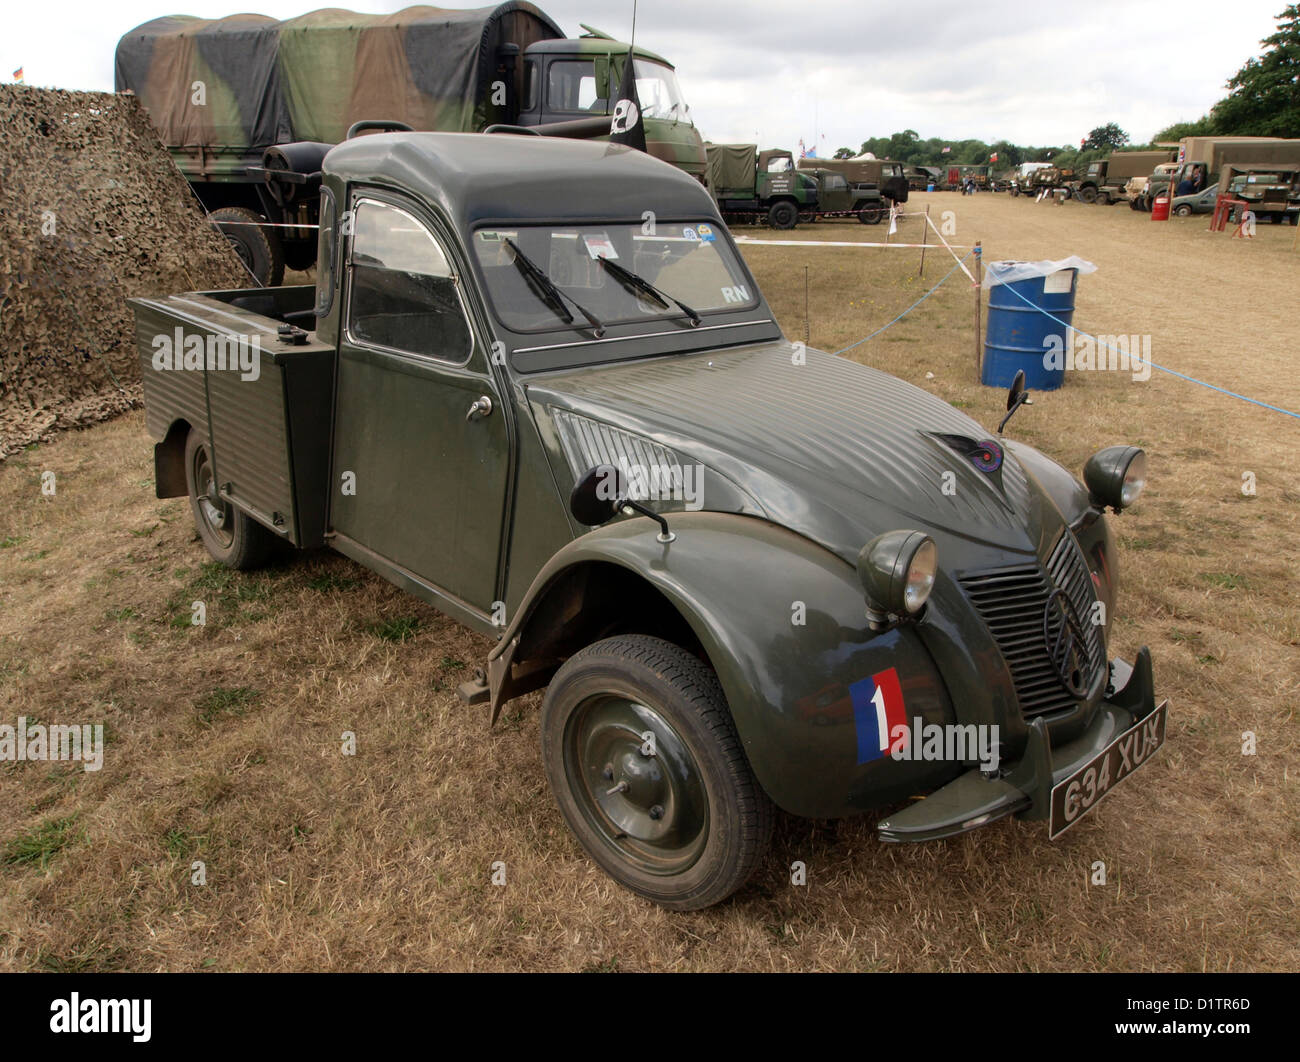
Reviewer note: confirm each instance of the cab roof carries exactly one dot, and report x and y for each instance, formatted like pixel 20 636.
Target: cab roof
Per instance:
pixel 475 177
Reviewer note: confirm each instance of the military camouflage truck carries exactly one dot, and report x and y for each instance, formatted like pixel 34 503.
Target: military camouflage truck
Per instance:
pixel 749 184
pixel 1105 180
pixel 248 105
pixel 885 174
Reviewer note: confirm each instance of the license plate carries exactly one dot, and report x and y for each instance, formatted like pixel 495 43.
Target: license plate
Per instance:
pixel 1077 795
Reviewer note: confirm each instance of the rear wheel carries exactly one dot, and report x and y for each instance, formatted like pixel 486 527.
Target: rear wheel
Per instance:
pixel 783 215
pixel 870 215
pixel 646 767
pixel 258 247
pixel 231 536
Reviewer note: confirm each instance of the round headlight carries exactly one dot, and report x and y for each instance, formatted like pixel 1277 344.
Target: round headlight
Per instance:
pixel 897 571
pixel 1115 476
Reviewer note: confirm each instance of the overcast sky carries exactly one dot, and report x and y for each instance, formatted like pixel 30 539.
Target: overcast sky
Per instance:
pixel 831 72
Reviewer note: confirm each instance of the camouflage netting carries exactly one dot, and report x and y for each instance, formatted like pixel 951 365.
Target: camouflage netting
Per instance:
pixel 92 211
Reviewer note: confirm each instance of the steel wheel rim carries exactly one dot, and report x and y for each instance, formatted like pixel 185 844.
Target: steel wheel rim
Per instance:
pixel 650 810
pixel 217 515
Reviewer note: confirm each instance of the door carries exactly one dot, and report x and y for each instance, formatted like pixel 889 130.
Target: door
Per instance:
pixel 421 447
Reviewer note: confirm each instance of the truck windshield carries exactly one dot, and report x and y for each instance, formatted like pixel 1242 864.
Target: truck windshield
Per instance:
pixel 686 262
pixel 659 93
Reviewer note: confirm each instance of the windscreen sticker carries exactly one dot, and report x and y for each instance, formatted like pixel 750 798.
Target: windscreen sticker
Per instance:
pixel 600 246
pixel 690 234
pixel 878 712
pixel 492 248
pixel 705 233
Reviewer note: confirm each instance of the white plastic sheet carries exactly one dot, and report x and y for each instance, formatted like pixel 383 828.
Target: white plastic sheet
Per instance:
pixel 1009 272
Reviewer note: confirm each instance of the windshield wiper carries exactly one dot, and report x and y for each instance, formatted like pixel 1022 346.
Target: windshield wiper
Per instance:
pixel 639 285
pixel 547 290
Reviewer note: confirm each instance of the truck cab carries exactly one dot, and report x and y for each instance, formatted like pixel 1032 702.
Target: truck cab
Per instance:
pixel 537 387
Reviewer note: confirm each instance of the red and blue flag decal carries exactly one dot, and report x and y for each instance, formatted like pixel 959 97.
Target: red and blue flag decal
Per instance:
pixel 877 709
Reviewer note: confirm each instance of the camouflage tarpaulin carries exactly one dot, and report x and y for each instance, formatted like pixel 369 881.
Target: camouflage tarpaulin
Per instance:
pixel 309 78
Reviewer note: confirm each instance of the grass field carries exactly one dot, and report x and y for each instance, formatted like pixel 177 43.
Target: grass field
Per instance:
pixel 223 742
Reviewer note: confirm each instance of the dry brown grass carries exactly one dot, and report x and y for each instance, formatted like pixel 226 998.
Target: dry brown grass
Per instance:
pixel 382 861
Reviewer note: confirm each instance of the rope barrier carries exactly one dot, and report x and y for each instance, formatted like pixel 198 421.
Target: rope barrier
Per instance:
pixel 1147 361
pixel 960 263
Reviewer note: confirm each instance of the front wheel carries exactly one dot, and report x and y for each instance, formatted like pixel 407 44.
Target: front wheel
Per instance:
pixel 1183 210
pixel 646 767
pixel 231 536
pixel 870 215
pixel 783 215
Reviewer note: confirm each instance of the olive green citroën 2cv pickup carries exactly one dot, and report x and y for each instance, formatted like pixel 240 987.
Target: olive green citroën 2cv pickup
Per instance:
pixel 536 386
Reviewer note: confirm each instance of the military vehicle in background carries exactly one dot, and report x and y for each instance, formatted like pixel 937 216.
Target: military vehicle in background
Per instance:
pixel 1106 180
pixel 1043 178
pixel 885 174
pixel 1136 188
pixel 1274 195
pixel 248 105
pixel 957 176
pixel 1203 159
pixel 919 178
pixel 752 185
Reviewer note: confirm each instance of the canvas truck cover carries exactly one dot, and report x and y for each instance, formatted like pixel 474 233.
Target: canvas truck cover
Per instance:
pixel 267 82
pixel 731 166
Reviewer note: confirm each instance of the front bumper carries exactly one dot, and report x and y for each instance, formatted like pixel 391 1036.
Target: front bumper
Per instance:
pixel 1024 789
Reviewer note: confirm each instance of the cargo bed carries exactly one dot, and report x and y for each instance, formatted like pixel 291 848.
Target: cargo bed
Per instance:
pixel 218 362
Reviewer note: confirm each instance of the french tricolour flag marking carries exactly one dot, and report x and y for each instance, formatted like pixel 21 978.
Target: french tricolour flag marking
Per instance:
pixel 877 710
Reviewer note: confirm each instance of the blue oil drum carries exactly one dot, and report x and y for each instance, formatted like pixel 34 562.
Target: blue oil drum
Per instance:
pixel 1018 330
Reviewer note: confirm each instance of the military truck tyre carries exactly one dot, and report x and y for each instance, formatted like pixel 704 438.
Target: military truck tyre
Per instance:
pixel 231 536
pixel 1088 194
pixel 783 215
pixel 870 215
pixel 258 248
pixel 685 826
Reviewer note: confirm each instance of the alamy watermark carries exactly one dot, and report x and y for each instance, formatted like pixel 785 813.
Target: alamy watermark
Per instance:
pixel 655 482
pixel 1078 351
pixel 193 352
pixel 38 742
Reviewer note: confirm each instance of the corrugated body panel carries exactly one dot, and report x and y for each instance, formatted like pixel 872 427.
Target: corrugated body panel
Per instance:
pixel 250 443
pixel 168 395
pixel 828 419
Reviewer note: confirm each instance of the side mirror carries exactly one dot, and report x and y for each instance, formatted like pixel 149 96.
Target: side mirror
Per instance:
pixel 1017 389
pixel 601 494
pixel 598 496
pixel 1017 396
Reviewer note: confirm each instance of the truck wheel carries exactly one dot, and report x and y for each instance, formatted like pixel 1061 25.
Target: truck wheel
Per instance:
pixel 1134 204
pixel 1183 210
pixel 299 255
pixel 684 824
pixel 783 215
pixel 870 215
pixel 258 248
pixel 231 536
pixel 1014 191
pixel 1088 194
pixel 1104 199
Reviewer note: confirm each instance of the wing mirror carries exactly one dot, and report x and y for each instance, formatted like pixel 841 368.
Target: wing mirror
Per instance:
pixel 1017 396
pixel 602 494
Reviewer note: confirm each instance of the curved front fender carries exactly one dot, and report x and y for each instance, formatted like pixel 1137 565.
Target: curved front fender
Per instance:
pixel 782 621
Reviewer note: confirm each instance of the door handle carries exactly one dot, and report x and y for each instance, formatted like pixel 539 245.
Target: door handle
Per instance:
pixel 480 407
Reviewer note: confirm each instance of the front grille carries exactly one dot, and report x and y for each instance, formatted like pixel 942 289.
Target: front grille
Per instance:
pixel 1011 602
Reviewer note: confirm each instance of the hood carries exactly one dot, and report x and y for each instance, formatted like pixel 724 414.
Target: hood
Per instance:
pixel 832 449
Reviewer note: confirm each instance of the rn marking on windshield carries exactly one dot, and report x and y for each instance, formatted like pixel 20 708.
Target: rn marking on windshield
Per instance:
pixel 736 294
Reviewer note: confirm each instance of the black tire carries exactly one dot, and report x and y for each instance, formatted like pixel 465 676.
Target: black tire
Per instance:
pixel 694 824
pixel 1134 204
pixel 1015 191
pixel 1104 199
pixel 871 215
pixel 1088 194
pixel 1183 210
pixel 783 215
pixel 258 247
pixel 231 536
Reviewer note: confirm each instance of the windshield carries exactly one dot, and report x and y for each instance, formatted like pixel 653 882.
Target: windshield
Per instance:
pixel 686 262
pixel 659 93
